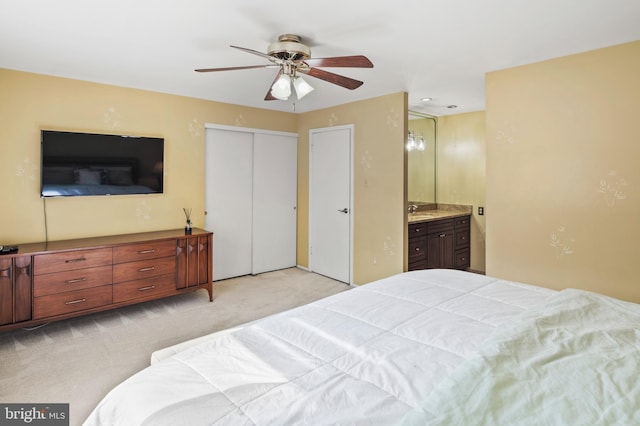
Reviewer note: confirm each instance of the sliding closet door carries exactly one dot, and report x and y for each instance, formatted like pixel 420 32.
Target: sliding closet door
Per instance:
pixel 274 202
pixel 251 193
pixel 228 200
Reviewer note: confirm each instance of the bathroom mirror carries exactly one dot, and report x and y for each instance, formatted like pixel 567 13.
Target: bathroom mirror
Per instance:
pixel 421 162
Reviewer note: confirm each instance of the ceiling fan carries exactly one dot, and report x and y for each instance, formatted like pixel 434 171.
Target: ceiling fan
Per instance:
pixel 293 58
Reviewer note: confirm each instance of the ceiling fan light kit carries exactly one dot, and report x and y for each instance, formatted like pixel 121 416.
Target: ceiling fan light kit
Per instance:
pixel 302 87
pixel 281 89
pixel 293 57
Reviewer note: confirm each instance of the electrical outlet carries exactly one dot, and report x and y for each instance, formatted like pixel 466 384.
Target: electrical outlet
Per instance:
pixel 480 211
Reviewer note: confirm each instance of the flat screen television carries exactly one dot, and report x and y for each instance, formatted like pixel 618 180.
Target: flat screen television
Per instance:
pixel 88 164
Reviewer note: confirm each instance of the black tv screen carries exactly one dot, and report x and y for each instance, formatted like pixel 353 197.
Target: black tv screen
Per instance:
pixel 81 164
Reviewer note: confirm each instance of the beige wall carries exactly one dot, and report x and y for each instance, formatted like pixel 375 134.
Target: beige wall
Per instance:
pixel 563 172
pixel 378 169
pixel 31 102
pixel 461 172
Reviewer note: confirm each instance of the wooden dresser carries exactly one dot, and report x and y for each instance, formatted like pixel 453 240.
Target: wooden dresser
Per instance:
pixel 46 282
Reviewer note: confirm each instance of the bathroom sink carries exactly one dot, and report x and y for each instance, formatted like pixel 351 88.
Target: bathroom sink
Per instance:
pixel 420 216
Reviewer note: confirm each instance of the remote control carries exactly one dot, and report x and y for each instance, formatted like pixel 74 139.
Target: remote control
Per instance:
pixel 8 249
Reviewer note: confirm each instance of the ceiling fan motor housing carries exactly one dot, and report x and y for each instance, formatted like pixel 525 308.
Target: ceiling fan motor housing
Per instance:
pixel 289 48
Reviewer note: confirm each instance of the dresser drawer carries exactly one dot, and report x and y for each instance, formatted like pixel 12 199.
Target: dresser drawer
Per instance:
pixel 462 222
pixel 146 288
pixel 71 301
pixel 417 265
pixel 58 282
pixel 462 239
pixel 417 250
pixel 71 260
pixel 417 229
pixel 151 250
pixel 144 269
pixel 462 259
pixel 440 226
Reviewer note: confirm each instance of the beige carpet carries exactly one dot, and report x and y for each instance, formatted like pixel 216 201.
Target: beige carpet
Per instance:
pixel 78 361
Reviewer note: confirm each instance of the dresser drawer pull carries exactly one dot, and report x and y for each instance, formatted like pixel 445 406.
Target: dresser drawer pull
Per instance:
pixel 417 248
pixel 463 221
pixel 80 259
pixel 151 287
pixel 75 280
pixel 73 302
pixel 463 238
pixel 146 251
pixel 418 229
pixel 150 268
pixel 443 235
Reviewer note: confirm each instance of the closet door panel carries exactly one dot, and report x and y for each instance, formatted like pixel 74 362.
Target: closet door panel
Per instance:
pixel 229 205
pixel 274 202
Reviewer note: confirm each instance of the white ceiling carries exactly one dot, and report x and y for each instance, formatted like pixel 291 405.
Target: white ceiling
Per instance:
pixel 428 48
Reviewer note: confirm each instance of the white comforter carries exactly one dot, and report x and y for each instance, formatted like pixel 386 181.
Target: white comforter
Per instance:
pixel 574 360
pixel 365 356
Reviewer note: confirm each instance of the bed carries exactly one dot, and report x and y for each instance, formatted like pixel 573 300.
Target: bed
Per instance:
pixel 439 347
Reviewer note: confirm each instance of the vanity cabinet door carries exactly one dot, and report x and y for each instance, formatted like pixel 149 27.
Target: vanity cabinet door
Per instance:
pixel 440 250
pixel 440 242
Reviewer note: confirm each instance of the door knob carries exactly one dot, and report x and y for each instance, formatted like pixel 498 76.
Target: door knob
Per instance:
pixel 345 210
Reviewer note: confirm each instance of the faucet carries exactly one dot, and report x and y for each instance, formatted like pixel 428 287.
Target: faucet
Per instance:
pixel 412 208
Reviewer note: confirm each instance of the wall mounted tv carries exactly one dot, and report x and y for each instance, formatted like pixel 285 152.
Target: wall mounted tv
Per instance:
pixel 88 164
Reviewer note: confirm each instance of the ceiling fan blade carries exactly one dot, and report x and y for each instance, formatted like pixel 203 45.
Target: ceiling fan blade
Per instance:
pixel 357 61
pixel 254 52
pixel 234 68
pixel 340 80
pixel 269 96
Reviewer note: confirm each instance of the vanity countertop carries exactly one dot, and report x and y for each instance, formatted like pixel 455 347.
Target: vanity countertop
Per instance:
pixel 442 212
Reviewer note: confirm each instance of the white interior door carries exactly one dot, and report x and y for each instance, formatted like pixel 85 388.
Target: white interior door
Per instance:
pixel 330 204
pixel 228 200
pixel 275 170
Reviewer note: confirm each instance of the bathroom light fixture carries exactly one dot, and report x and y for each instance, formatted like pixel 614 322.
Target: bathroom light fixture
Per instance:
pixel 414 144
pixel 411 141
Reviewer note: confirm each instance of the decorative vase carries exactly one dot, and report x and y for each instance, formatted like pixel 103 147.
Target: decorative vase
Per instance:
pixel 187 213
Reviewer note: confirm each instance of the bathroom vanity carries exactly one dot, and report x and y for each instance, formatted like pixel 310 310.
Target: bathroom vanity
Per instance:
pixel 439 239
